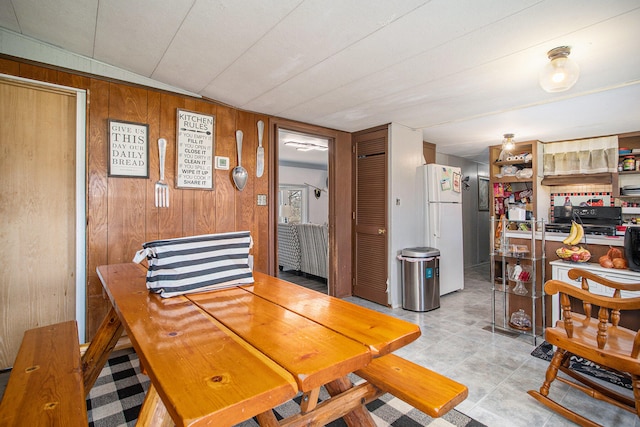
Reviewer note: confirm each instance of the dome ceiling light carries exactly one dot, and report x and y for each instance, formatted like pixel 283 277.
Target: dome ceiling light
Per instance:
pixel 508 144
pixel 561 73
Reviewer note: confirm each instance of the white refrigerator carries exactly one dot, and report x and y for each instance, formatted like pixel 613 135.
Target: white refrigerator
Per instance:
pixel 443 222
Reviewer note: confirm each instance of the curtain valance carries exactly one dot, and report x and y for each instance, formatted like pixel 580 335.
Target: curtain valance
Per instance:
pixel 582 156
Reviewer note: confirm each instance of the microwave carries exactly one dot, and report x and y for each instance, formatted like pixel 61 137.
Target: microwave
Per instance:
pixel 632 247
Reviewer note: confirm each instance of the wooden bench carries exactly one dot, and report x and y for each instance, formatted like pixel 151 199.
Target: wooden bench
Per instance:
pixel 428 391
pixel 45 387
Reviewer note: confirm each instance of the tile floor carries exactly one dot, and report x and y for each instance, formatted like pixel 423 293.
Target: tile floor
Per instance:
pixel 497 369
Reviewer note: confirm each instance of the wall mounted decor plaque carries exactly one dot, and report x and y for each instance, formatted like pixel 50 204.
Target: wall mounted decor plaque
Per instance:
pixel 195 150
pixel 128 149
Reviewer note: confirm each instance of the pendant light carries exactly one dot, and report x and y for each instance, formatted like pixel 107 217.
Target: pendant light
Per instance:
pixel 561 73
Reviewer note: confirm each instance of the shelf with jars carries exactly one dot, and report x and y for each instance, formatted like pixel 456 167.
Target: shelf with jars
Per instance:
pixel 627 180
pixel 517 276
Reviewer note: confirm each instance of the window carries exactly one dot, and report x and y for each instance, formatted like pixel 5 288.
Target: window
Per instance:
pixel 293 204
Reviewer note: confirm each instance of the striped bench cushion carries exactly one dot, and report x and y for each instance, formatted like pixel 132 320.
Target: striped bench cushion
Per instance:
pixel 197 263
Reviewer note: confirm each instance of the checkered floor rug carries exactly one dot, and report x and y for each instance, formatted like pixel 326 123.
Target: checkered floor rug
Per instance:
pixel 117 395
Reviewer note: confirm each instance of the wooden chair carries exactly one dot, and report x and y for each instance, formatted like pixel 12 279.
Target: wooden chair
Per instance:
pixel 599 340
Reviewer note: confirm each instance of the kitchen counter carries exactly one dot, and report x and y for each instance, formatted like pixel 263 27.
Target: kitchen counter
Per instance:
pixel 559 237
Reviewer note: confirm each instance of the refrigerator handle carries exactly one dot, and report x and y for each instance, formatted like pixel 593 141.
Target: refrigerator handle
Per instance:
pixel 434 220
pixel 438 221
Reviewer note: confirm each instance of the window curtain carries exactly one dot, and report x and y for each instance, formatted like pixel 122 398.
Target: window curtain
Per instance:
pixel 583 156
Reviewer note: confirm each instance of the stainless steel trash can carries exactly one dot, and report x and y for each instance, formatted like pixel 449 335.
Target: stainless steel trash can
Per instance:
pixel 420 278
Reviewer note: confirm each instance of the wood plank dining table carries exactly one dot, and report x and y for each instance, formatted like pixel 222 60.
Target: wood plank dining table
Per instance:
pixel 220 357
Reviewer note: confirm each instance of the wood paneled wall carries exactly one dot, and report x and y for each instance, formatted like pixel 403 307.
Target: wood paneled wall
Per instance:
pixel 121 213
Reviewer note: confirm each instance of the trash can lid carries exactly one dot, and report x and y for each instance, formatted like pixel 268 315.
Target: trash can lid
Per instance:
pixel 421 252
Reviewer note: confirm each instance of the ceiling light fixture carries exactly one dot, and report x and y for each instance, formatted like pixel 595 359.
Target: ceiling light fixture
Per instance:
pixel 508 144
pixel 561 73
pixel 305 146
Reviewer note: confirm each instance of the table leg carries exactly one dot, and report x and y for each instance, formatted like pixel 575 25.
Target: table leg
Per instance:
pixel 153 412
pixel 358 417
pixel 100 348
pixel 346 402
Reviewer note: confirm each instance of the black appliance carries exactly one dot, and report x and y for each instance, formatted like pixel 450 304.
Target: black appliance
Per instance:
pixel 632 247
pixel 595 220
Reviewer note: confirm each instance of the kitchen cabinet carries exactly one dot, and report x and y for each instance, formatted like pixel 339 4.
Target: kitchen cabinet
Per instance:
pixel 429 152
pixel 631 177
pixel 517 278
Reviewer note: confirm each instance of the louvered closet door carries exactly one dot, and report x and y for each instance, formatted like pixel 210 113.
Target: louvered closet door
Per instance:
pixel 370 239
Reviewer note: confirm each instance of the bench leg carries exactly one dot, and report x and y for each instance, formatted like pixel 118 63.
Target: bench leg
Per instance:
pixel 358 417
pixel 153 412
pixel 309 400
pixel 100 348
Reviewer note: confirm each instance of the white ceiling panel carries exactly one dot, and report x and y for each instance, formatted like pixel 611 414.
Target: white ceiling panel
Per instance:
pixel 585 116
pixel 8 18
pixel 66 23
pixel 416 34
pixel 309 35
pixel 462 58
pixel 463 71
pixel 213 36
pixel 473 89
pixel 143 32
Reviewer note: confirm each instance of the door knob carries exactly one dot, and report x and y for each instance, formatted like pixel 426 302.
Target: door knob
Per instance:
pixel 381 231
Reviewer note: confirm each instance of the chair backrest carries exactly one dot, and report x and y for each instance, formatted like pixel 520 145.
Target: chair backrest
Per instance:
pixel 610 307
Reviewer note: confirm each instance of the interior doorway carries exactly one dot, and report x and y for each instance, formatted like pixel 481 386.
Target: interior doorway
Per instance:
pixel 339 197
pixel 303 208
pixel 42 272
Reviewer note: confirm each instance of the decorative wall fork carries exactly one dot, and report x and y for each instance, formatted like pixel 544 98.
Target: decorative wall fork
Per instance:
pixel 162 189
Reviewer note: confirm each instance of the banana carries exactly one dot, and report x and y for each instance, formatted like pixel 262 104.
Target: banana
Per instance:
pixel 572 234
pixel 579 235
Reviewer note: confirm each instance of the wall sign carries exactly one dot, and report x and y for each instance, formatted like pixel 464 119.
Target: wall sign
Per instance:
pixel 195 150
pixel 457 178
pixel 128 149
